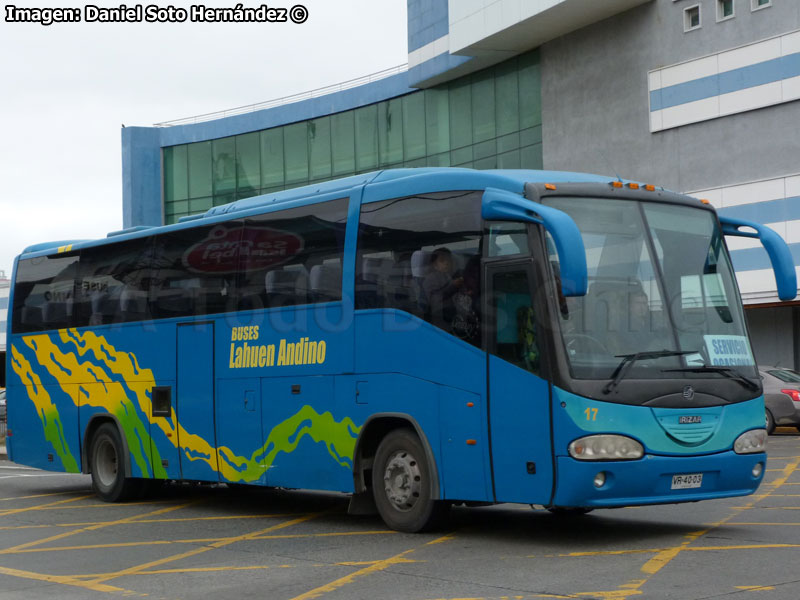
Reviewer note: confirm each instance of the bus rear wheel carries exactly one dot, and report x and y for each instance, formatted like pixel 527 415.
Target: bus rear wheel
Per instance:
pixel 108 468
pixel 401 484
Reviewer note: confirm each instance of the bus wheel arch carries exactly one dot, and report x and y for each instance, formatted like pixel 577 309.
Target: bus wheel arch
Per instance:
pixel 374 429
pixel 108 460
pixel 95 422
pixel 395 474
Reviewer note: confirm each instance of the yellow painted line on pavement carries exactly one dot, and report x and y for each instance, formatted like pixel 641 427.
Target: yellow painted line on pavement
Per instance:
pixel 10 498
pixel 664 557
pixel 212 540
pixel 214 546
pixel 378 566
pixel 667 550
pixel 611 595
pixel 529 596
pixel 290 536
pixel 112 505
pixel 784 495
pixel 361 563
pixel 742 547
pixel 221 518
pixel 16 511
pixel 145 521
pixel 755 588
pixel 15 527
pixel 65 580
pixel 588 553
pixel 16 549
pixel 348 563
pixel 213 569
pixel 787 471
pixel 754 523
pixel 191 570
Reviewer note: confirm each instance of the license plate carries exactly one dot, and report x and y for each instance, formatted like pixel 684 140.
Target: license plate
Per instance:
pixel 684 482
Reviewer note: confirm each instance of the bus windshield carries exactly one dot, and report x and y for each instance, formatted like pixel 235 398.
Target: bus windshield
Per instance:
pixel 661 294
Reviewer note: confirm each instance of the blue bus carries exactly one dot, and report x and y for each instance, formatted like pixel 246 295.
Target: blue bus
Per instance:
pixel 413 337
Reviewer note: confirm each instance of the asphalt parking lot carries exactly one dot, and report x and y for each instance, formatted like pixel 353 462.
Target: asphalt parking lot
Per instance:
pixel 56 538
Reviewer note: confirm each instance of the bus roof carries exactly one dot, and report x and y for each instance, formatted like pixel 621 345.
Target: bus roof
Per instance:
pixel 509 179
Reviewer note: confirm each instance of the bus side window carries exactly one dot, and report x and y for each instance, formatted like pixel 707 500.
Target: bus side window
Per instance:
pixel 507 239
pixel 515 324
pixel 112 284
pixel 421 255
pixel 44 292
pixel 194 271
pixel 294 256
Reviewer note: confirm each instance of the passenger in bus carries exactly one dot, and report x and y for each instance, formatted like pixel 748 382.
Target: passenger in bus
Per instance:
pixel 439 287
pixel 466 304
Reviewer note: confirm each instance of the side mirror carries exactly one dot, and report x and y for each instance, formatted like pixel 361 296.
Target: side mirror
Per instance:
pixel 500 205
pixel 779 254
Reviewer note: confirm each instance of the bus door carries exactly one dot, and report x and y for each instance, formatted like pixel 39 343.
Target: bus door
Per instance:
pixel 519 407
pixel 195 401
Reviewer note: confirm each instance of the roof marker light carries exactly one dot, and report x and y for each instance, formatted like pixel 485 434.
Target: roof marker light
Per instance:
pixel 616 184
pixel 650 188
pixel 549 186
pixel 704 201
pixel 633 186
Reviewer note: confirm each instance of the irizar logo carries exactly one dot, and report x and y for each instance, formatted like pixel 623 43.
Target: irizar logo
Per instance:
pixel 688 393
pixel 690 419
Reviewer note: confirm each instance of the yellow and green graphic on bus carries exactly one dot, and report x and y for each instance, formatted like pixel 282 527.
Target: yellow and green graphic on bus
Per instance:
pixel 92 372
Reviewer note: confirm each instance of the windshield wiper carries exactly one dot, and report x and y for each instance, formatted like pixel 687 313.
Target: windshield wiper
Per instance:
pixel 627 362
pixel 724 371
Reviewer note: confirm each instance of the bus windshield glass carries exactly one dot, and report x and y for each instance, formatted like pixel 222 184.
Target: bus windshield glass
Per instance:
pixel 661 294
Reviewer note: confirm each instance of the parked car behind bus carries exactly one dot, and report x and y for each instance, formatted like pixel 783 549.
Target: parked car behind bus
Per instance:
pixel 781 397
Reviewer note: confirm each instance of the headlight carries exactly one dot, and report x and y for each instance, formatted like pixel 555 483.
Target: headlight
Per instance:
pixel 606 447
pixel 751 441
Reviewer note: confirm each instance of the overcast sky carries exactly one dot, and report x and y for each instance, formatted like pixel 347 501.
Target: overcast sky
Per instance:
pixel 67 88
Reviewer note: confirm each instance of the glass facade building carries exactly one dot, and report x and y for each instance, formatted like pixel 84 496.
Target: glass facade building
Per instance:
pixel 490 119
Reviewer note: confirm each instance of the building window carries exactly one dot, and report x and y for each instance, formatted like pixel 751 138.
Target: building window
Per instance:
pixel 486 120
pixel 759 4
pixel 691 18
pixel 724 10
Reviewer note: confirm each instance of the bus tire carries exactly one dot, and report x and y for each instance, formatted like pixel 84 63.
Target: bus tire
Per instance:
pixel 108 469
pixel 401 484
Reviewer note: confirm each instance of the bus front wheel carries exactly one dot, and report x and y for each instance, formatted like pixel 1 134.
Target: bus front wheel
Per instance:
pixel 401 483
pixel 108 469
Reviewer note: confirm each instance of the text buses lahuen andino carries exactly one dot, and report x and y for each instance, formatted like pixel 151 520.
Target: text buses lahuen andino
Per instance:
pixel 412 337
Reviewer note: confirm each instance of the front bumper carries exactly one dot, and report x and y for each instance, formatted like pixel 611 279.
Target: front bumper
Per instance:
pixel 648 480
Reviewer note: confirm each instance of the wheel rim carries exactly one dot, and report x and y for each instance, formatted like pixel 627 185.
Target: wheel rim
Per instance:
pixel 105 463
pixel 402 480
